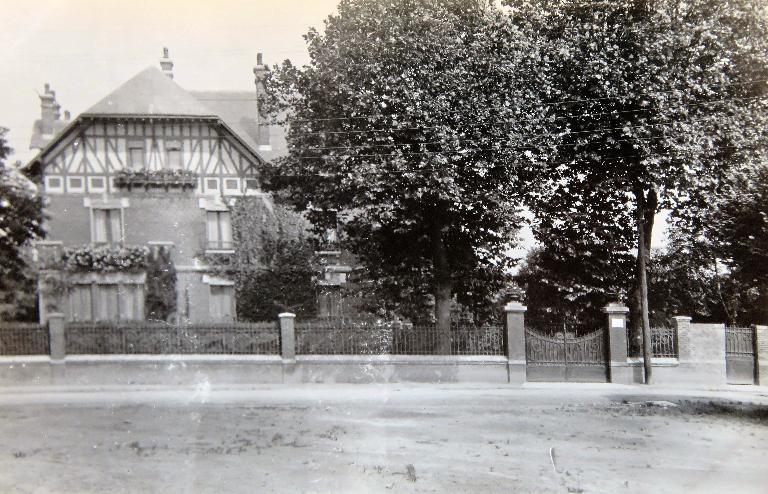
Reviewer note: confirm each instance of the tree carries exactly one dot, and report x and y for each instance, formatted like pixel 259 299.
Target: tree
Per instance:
pixel 20 223
pixel 653 103
pixel 404 120
pixel 272 265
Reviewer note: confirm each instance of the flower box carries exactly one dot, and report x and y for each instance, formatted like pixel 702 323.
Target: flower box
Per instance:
pixel 105 258
pixel 156 178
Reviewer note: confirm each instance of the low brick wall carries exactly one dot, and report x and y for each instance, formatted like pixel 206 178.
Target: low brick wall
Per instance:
pixel 192 370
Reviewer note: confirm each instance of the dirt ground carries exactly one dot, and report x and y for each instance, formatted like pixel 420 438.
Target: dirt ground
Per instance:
pixel 361 439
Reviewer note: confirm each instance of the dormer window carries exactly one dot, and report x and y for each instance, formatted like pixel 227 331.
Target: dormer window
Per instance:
pixel 173 159
pixel 136 155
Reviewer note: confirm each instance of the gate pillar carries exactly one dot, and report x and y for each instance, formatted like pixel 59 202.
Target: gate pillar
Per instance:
pixel 761 354
pixel 619 370
pixel 515 318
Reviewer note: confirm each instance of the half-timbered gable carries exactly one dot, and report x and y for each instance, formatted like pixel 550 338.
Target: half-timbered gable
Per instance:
pixel 149 169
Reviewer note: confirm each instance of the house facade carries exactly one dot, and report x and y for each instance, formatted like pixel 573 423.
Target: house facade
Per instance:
pixel 148 174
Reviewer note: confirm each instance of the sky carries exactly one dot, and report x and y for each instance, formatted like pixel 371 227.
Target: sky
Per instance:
pixel 86 48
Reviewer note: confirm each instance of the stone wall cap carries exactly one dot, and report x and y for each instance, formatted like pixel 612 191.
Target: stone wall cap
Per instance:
pixel 286 314
pixel 682 318
pixel 615 308
pixel 515 307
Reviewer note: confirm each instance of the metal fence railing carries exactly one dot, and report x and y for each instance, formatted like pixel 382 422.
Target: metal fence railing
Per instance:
pixel 21 338
pixel 355 338
pixel 260 338
pixel 739 342
pixel 664 343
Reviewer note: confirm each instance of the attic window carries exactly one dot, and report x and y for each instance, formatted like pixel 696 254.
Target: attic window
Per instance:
pixel 136 155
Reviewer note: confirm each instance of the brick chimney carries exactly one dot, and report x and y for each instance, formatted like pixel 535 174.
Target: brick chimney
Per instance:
pixel 166 64
pixel 260 73
pixel 49 110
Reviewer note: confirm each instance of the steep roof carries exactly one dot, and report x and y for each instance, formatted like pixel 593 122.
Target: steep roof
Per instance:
pixel 150 92
pixel 236 108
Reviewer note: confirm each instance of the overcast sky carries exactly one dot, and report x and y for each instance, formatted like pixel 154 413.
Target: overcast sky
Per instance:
pixel 86 48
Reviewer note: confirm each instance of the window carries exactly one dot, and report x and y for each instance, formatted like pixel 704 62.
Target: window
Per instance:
pixel 80 303
pixel 173 159
pixel 251 184
pixel 222 303
pixel 54 184
pixel 218 230
pixel 231 185
pixel 107 302
pixel 136 155
pixel 211 184
pixel 75 184
pixel 107 227
pixel 97 184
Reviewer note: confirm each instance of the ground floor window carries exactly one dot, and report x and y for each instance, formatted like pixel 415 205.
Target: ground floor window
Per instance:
pixel 107 302
pixel 222 303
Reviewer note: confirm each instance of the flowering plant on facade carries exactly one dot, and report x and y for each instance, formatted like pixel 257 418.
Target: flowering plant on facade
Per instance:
pixel 105 258
pixel 157 176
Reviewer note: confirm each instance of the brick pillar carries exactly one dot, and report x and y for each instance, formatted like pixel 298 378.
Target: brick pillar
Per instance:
pixel 287 336
pixel 761 355
pixel 620 371
pixel 515 315
pixel 683 330
pixel 56 336
pixel 701 351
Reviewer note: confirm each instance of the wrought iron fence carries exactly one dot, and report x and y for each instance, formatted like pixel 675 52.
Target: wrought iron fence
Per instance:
pixel 243 338
pixel 357 338
pixel 739 342
pixel 664 343
pixel 554 344
pixel 21 338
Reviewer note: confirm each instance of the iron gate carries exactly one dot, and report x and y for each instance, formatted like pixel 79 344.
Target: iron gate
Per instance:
pixel 562 356
pixel 740 355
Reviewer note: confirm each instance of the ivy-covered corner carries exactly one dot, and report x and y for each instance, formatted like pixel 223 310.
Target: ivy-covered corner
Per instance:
pixel 160 287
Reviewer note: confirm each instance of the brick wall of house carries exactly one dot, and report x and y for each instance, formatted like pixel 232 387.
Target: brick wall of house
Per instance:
pixel 150 217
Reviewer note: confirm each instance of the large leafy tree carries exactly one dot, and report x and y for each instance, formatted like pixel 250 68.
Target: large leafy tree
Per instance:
pixel 654 103
pixel 722 248
pixel 20 222
pixel 405 120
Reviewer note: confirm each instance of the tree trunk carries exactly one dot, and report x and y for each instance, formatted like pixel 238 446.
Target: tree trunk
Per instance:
pixel 636 299
pixel 442 290
pixel 646 209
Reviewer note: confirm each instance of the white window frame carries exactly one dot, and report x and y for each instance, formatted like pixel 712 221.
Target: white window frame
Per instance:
pixel 231 191
pixel 76 190
pixel 94 189
pixel 54 190
pixel 110 207
pixel 136 144
pixel 174 145
pixel 207 190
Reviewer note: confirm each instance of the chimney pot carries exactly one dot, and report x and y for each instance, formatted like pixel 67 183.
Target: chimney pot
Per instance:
pixel 166 64
pixel 259 58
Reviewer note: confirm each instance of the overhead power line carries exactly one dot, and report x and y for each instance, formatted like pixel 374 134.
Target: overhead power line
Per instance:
pixel 550 103
pixel 470 124
pixel 434 169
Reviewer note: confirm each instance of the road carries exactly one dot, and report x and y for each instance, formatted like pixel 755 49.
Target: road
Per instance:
pixel 384 438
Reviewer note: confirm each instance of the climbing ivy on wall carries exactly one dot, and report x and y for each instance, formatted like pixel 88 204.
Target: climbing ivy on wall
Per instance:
pixel 272 265
pixel 160 297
